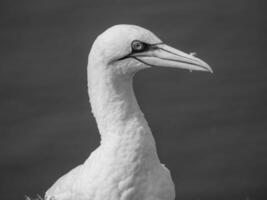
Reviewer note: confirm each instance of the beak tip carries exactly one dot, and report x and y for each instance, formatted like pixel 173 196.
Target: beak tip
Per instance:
pixel 210 70
pixel 205 66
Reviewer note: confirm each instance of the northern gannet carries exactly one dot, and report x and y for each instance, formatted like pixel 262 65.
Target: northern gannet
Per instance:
pixel 125 166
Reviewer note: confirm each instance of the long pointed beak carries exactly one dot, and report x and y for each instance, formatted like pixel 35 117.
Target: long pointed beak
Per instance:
pixel 162 55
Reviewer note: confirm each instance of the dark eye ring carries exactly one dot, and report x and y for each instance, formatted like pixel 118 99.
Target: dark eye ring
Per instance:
pixel 137 45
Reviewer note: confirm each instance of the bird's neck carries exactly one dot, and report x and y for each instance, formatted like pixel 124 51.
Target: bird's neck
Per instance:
pixel 120 121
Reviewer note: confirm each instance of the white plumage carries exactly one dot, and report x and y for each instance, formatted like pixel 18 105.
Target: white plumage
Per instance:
pixel 125 166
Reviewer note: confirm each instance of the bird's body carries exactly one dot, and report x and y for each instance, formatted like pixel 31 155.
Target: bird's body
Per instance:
pixel 125 166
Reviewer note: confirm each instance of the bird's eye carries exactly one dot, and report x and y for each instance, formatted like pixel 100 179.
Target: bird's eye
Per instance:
pixel 137 45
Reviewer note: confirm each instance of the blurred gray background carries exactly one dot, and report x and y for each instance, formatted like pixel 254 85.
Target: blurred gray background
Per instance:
pixel 210 128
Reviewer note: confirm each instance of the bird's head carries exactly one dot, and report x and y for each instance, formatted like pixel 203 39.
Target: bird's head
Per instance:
pixel 125 49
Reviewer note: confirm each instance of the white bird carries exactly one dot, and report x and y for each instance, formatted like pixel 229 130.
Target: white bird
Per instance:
pixel 125 166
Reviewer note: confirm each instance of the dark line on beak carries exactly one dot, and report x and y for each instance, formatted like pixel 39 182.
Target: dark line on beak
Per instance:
pixel 182 57
pixel 186 63
pixel 170 60
pixel 175 54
